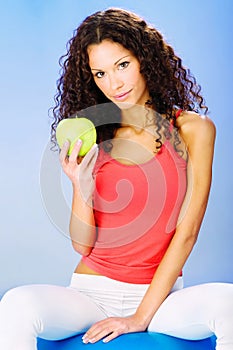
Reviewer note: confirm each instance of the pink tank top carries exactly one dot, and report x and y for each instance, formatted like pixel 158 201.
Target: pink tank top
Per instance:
pixel 136 209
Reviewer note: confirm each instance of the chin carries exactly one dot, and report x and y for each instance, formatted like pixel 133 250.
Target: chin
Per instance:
pixel 124 105
pixel 128 105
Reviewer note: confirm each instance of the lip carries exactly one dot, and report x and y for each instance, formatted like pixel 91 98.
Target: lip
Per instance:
pixel 122 96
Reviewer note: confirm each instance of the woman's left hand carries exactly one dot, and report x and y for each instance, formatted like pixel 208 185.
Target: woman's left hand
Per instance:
pixel 111 328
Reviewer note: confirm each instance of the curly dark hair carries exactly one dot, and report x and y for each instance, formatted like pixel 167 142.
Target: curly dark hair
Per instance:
pixel 171 86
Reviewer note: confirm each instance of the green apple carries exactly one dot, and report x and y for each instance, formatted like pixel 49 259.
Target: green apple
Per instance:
pixel 72 129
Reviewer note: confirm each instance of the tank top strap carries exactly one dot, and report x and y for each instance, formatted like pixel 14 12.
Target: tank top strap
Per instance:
pixel 177 114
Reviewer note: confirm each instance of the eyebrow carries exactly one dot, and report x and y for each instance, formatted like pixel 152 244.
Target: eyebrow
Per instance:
pixel 114 63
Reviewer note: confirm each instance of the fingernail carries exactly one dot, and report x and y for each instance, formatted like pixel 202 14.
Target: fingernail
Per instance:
pixel 84 339
pixel 66 143
pixel 94 146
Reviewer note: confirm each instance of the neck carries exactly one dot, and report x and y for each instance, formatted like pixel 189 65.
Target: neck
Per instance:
pixel 136 116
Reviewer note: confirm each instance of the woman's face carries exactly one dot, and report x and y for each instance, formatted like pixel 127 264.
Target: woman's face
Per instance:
pixel 116 72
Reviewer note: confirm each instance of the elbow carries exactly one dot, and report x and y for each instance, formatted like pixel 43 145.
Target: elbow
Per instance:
pixel 82 249
pixel 186 239
pixel 190 240
pixel 83 239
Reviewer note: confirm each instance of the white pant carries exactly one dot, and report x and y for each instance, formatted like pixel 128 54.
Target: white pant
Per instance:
pixel 55 312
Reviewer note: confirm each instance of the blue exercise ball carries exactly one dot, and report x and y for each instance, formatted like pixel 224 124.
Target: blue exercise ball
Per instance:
pixel 143 340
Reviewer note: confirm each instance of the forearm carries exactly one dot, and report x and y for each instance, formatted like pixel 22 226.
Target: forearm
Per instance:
pixel 175 257
pixel 165 277
pixel 82 223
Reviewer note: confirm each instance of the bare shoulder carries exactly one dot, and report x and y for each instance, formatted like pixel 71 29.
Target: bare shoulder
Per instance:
pixel 195 127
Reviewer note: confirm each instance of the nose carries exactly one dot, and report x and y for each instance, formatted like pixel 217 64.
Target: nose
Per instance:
pixel 115 82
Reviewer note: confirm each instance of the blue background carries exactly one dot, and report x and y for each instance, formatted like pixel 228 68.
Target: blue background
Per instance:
pixel 33 37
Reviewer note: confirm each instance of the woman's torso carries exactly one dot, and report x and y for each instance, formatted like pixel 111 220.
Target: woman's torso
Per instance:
pixel 135 149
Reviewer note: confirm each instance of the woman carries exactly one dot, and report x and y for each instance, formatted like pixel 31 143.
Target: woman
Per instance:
pixel 138 198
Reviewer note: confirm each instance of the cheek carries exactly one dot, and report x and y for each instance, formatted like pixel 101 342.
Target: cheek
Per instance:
pixel 135 78
pixel 101 85
pixel 141 81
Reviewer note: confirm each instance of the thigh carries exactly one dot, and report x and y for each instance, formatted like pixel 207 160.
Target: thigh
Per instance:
pixel 54 312
pixel 72 312
pixel 188 313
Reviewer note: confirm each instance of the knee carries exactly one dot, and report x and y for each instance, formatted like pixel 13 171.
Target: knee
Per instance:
pixel 225 297
pixel 228 301
pixel 14 296
pixel 222 303
pixel 17 301
pixel 19 315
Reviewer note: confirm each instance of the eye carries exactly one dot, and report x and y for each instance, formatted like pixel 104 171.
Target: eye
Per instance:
pixel 99 75
pixel 123 65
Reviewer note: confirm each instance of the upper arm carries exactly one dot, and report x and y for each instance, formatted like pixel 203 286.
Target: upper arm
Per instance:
pixel 198 134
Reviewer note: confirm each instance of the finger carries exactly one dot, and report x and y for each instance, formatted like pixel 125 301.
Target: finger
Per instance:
pixel 95 331
pixel 91 156
pixel 96 336
pixel 90 334
pixel 111 336
pixel 75 151
pixel 64 151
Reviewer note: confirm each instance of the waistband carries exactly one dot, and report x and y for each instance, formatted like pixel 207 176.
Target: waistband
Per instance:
pixel 98 282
